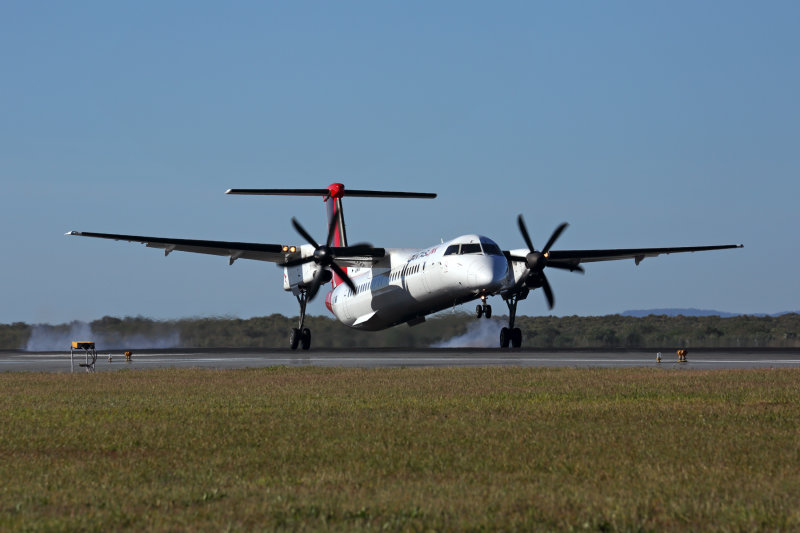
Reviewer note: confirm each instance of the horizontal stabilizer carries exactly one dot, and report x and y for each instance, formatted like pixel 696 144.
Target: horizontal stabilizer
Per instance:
pixel 326 193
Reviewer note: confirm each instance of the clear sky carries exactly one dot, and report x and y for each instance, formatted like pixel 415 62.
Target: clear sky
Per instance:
pixel 639 123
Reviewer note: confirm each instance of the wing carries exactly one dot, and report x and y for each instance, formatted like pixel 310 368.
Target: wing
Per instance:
pixel 275 253
pixel 572 258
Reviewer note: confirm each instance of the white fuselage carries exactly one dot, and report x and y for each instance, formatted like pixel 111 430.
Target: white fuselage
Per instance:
pixel 410 284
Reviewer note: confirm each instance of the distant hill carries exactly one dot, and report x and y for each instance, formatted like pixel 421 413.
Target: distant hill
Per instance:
pixel 694 312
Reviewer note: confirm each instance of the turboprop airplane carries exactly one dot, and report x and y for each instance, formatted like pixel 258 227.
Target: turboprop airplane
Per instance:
pixel 377 288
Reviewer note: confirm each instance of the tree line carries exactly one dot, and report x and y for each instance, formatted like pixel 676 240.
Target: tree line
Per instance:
pixel 659 332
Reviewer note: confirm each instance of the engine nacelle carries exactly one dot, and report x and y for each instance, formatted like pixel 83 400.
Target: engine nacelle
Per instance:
pixel 517 270
pixel 299 274
pixel 534 280
pixel 302 275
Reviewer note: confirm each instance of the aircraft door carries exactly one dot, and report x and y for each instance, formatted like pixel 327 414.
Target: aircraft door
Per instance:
pixel 426 282
pixel 346 308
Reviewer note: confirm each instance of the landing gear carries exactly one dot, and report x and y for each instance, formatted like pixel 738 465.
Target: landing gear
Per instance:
pixel 301 336
pixel 483 309
pixel 511 335
pixel 294 338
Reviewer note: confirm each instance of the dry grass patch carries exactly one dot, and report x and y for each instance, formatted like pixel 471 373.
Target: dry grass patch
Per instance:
pixel 401 449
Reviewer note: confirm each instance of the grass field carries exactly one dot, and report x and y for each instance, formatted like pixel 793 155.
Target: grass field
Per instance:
pixel 401 449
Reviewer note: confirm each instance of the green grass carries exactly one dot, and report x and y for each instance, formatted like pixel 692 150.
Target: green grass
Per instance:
pixel 401 449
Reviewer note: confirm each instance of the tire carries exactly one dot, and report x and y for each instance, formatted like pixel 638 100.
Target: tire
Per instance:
pixel 479 311
pixel 488 311
pixel 516 337
pixel 306 339
pixel 505 337
pixel 294 338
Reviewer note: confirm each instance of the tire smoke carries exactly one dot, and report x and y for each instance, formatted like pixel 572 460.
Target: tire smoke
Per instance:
pixel 480 334
pixel 45 337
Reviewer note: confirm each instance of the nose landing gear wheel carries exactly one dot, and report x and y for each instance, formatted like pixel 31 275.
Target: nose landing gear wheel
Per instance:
pixel 479 311
pixel 483 310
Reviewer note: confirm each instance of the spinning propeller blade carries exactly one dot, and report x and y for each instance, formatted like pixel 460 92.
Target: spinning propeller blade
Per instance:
pixel 325 255
pixel 302 231
pixel 536 261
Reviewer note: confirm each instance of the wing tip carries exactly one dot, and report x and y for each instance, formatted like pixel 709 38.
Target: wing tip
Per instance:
pixel 73 233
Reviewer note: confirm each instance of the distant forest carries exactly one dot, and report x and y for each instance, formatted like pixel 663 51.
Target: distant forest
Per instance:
pixel 658 332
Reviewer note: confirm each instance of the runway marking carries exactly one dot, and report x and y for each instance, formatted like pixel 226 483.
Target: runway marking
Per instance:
pixel 60 362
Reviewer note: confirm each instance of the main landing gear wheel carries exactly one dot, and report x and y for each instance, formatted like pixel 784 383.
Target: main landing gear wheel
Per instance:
pixel 516 337
pixel 510 336
pixel 300 338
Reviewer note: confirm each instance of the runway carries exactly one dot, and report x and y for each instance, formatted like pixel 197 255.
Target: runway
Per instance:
pixel 396 358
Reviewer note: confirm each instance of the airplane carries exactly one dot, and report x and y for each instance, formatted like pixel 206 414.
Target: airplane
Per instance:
pixel 377 288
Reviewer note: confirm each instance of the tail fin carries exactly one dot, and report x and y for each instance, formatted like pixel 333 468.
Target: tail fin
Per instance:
pixel 333 207
pixel 332 196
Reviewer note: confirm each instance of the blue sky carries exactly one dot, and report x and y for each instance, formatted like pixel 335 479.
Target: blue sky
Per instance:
pixel 639 123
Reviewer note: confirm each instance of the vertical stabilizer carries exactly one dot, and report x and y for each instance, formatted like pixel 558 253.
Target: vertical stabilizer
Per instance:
pixel 333 205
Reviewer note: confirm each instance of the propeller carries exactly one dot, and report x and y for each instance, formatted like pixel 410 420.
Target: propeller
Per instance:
pixel 536 261
pixel 324 256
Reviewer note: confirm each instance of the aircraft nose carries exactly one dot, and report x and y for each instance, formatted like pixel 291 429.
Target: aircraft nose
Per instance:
pixel 499 269
pixel 480 275
pixel 488 274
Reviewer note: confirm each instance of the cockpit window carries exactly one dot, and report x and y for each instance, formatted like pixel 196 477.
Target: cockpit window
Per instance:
pixel 491 249
pixel 452 249
pixel 470 249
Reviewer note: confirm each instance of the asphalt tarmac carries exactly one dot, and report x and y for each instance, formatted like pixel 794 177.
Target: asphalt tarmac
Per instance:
pixel 396 358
